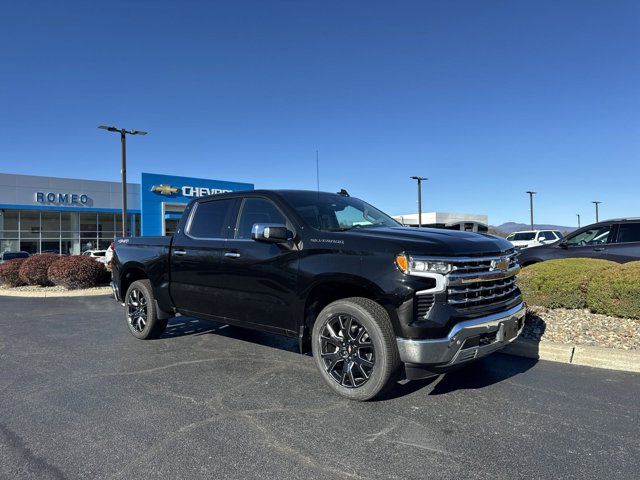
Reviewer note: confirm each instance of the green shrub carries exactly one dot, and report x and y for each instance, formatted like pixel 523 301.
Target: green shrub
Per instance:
pixel 561 283
pixel 78 272
pixel 33 270
pixel 616 291
pixel 10 272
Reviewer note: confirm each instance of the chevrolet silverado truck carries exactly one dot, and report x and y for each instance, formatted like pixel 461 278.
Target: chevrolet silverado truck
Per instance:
pixel 372 300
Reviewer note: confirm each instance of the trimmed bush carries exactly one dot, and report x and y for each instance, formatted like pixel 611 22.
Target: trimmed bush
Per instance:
pixel 33 270
pixel 10 272
pixel 616 291
pixel 78 272
pixel 561 283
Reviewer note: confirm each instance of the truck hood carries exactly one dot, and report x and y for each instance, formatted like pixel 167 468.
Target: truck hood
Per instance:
pixel 433 241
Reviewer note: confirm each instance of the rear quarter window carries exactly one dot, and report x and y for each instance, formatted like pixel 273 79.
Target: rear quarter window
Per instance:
pixel 628 232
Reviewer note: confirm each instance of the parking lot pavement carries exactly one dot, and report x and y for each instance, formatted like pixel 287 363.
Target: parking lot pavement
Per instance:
pixel 81 398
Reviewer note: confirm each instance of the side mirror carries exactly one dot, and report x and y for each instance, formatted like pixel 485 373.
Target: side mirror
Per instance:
pixel 271 233
pixel 542 239
pixel 563 244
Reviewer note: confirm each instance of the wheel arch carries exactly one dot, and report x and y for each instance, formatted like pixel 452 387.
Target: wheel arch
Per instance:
pixel 130 273
pixel 328 289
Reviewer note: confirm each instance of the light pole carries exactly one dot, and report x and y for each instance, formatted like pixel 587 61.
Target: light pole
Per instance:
pixel 419 179
pixel 578 215
pixel 531 194
pixel 596 203
pixel 123 167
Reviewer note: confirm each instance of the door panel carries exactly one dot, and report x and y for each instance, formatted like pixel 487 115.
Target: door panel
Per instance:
pixel 627 246
pixel 260 279
pixel 196 281
pixel 590 243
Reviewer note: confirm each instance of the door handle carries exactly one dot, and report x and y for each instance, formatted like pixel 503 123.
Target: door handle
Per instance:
pixel 232 254
pixel 179 252
pixel 598 249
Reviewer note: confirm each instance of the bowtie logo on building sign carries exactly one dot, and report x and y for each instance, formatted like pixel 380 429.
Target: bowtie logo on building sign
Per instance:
pixel 164 189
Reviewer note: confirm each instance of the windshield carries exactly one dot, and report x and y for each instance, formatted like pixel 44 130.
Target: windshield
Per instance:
pixel 522 236
pixel 335 213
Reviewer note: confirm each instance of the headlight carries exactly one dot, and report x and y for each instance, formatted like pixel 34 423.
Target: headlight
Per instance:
pixel 416 266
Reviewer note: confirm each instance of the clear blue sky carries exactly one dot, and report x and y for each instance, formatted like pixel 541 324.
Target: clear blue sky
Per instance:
pixel 487 99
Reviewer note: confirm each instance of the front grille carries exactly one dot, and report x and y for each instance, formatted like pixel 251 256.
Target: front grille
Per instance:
pixel 483 293
pixel 481 265
pixel 423 305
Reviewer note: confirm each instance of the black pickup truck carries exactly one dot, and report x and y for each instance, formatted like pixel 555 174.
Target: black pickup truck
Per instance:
pixel 373 300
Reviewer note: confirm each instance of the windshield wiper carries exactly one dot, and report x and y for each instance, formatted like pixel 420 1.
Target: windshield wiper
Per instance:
pixel 344 229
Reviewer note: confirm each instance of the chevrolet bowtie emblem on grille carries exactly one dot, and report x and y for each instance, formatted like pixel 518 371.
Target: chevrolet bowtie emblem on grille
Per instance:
pixel 164 189
pixel 502 264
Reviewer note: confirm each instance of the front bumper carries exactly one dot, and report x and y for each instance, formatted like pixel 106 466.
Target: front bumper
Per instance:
pixel 466 341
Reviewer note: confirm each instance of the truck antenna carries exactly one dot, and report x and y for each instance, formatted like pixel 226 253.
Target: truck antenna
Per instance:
pixel 317 172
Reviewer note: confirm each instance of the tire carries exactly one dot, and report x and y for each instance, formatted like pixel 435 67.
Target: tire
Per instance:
pixel 140 312
pixel 366 364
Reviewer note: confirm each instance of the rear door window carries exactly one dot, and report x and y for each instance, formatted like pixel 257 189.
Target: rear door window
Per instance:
pixel 211 219
pixel 628 232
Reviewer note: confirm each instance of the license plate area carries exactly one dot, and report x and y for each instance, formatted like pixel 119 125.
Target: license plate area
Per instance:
pixel 508 330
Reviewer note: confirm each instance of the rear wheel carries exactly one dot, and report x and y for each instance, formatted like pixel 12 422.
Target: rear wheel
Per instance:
pixel 141 313
pixel 355 349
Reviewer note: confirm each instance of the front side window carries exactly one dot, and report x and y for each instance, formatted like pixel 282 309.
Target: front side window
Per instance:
pixel 210 219
pixel 592 236
pixel 334 213
pixel 629 232
pixel 257 210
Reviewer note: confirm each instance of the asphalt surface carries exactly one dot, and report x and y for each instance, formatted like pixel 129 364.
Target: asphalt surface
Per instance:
pixel 82 398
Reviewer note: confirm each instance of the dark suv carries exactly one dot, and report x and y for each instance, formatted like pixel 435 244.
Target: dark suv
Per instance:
pixel 616 240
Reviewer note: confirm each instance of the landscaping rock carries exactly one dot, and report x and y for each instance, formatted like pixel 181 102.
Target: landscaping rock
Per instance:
pixel 581 327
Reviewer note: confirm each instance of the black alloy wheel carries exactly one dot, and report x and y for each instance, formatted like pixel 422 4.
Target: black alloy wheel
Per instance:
pixel 347 352
pixel 137 314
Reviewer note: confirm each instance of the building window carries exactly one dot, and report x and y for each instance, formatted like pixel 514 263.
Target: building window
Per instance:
pixel 9 231
pixel 66 233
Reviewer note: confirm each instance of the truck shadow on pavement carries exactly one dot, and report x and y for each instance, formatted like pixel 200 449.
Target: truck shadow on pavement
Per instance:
pixel 483 373
pixel 182 326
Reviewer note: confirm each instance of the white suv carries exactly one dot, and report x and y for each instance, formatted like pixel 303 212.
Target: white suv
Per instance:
pixel 98 255
pixel 533 238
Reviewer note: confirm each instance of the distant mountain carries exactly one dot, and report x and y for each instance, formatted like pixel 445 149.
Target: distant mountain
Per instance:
pixel 511 227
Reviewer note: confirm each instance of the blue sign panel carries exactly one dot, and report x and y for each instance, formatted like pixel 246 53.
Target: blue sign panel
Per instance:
pixel 158 193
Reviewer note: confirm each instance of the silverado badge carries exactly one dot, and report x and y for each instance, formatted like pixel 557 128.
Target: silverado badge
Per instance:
pixel 501 264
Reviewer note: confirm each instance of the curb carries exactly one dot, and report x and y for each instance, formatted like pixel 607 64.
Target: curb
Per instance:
pixel 598 357
pixel 94 292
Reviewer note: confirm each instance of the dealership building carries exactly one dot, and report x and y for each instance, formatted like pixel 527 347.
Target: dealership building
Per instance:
pixel 69 216
pixel 467 222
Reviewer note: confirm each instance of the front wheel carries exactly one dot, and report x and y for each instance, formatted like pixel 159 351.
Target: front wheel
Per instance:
pixel 355 349
pixel 141 313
